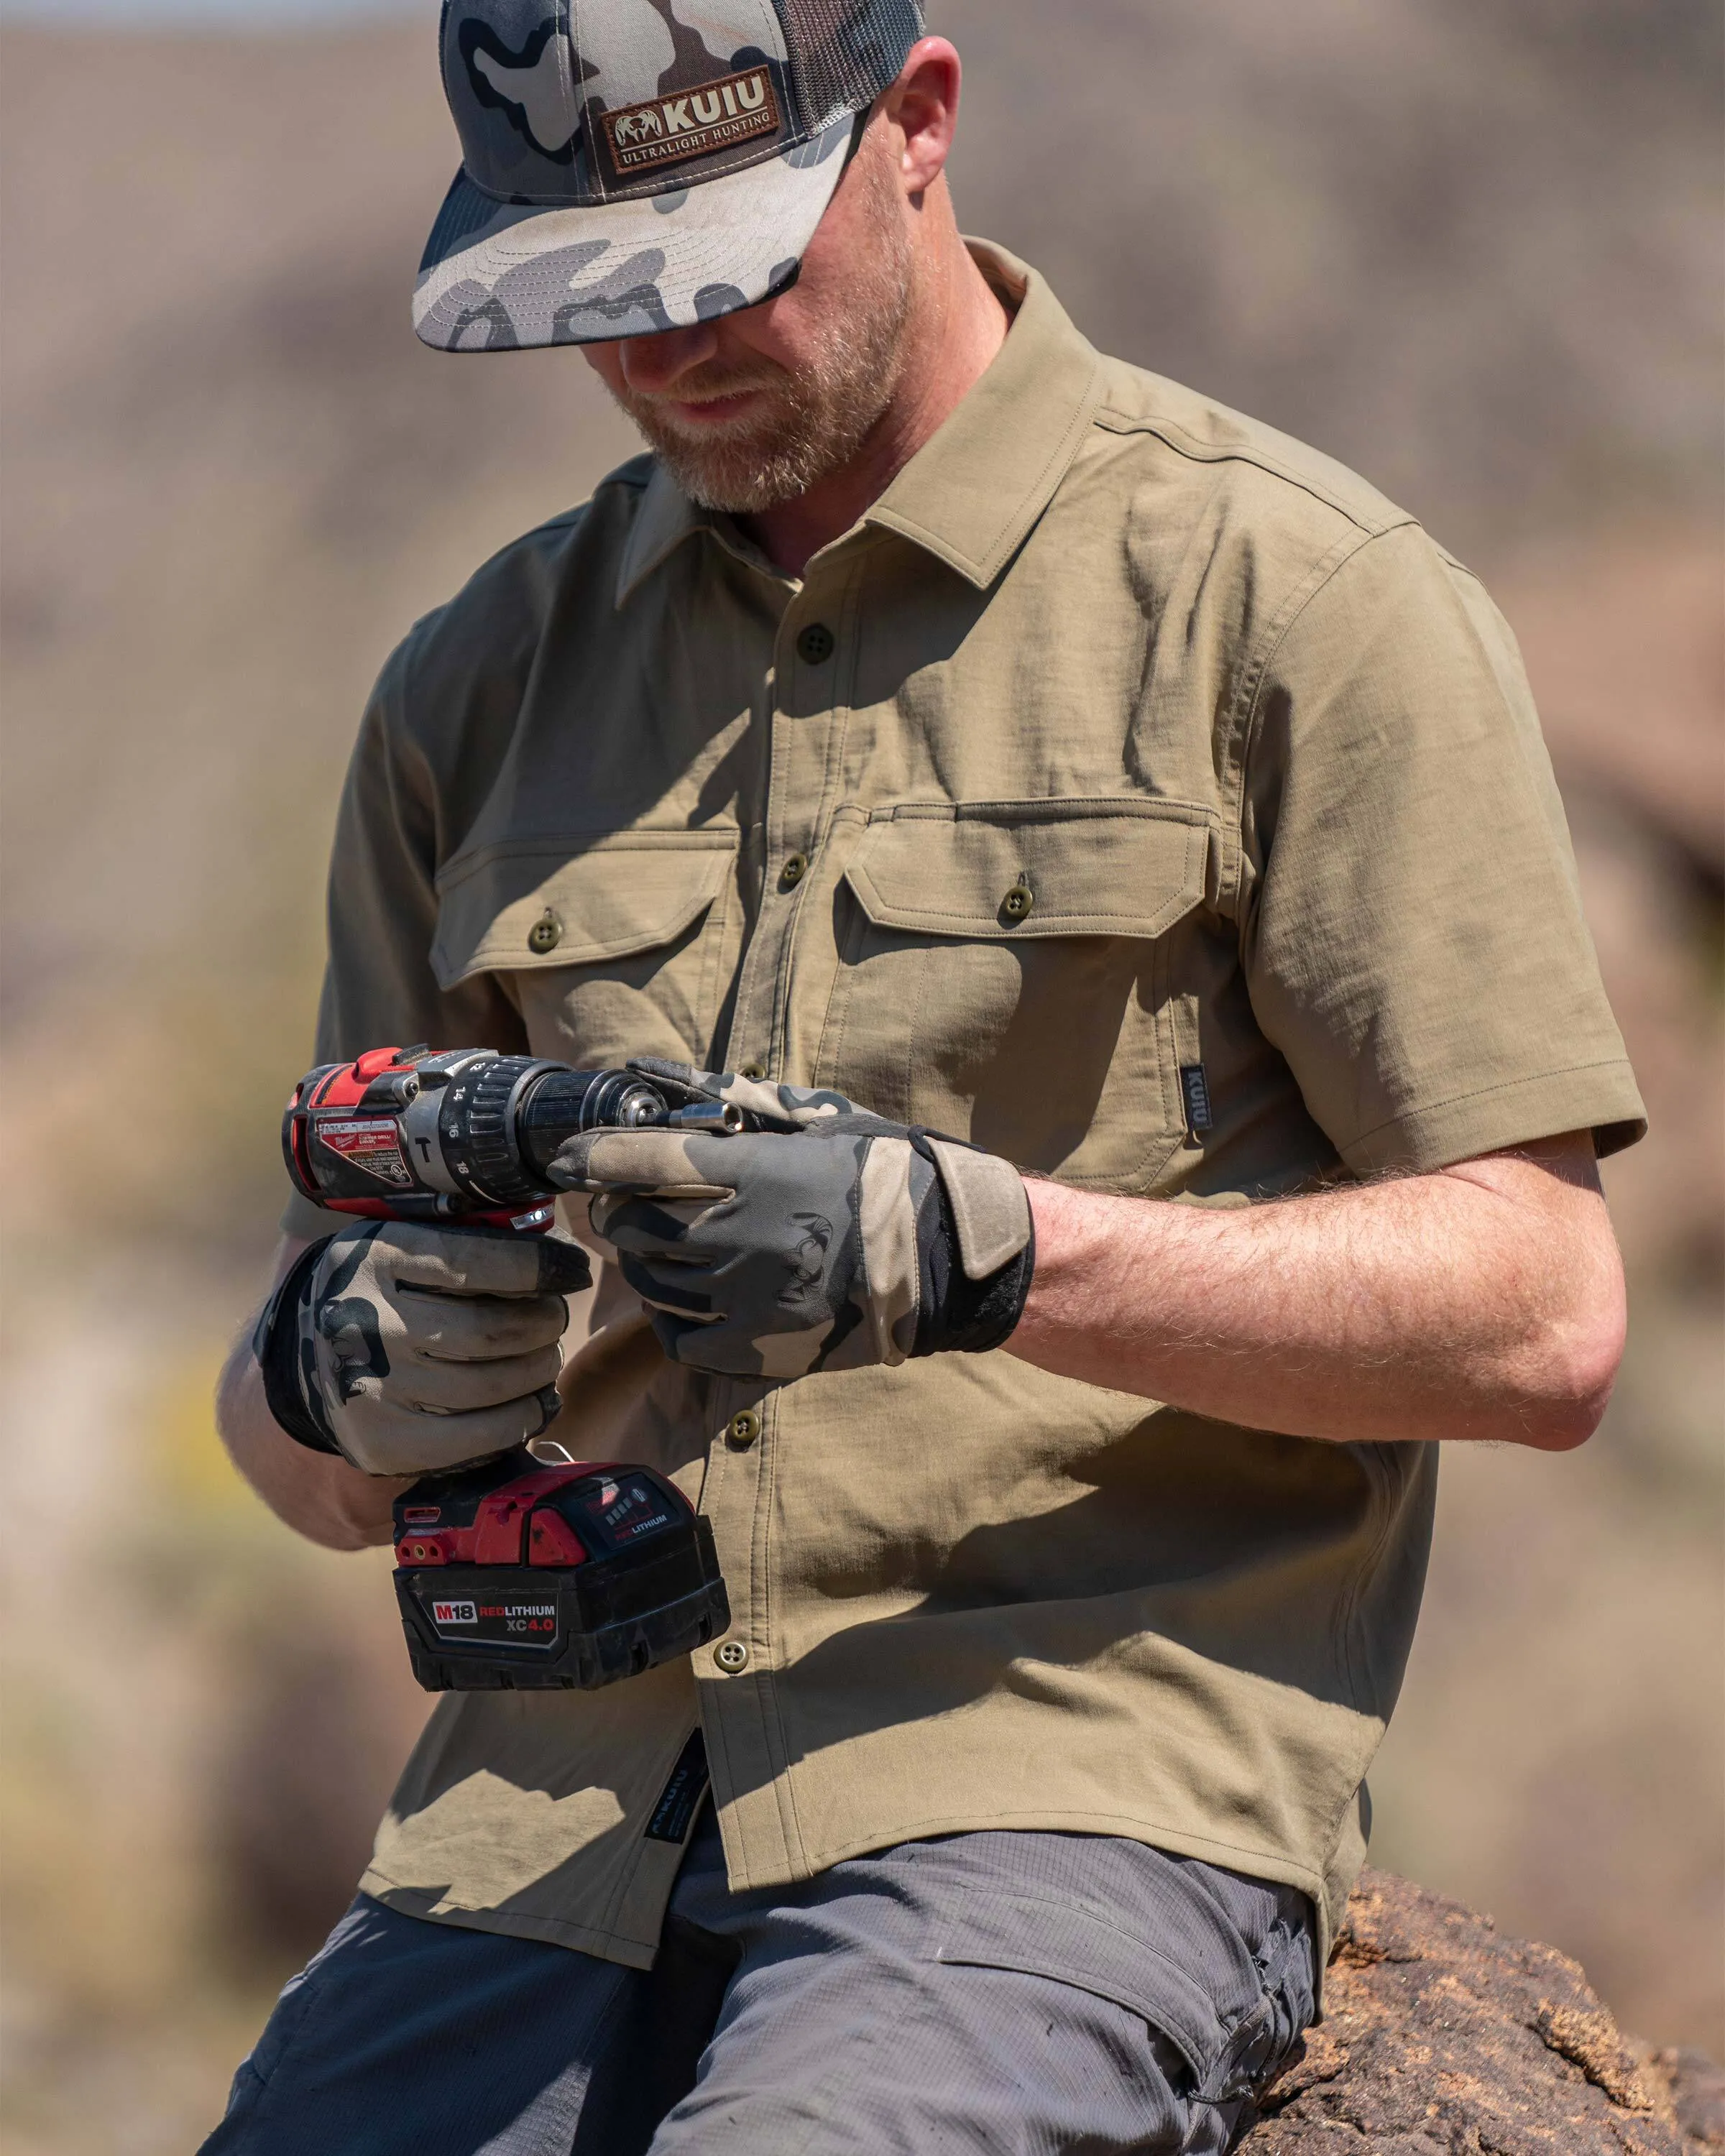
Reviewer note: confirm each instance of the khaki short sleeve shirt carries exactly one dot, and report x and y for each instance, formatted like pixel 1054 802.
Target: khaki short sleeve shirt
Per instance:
pixel 1134 792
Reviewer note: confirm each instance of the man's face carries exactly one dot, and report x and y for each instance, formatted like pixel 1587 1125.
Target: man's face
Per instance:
pixel 753 409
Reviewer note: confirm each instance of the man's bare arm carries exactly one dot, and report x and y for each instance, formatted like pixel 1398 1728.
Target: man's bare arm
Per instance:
pixel 317 1494
pixel 1483 1301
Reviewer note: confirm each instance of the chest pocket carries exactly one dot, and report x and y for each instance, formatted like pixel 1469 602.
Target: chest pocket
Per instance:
pixel 1010 973
pixel 610 947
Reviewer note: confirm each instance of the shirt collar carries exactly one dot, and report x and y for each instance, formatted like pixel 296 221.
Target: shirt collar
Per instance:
pixel 664 520
pixel 973 491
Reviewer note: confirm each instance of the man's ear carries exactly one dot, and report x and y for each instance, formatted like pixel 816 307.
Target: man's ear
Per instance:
pixel 923 104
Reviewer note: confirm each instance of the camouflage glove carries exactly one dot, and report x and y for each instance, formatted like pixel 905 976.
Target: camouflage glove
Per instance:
pixel 410 1349
pixel 832 1241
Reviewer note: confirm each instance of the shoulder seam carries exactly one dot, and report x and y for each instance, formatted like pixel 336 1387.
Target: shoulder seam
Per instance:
pixel 1217 452
pixel 1461 569
pixel 1318 579
pixel 406 654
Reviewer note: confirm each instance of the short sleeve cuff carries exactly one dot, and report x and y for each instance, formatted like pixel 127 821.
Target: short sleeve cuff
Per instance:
pixel 1598 1096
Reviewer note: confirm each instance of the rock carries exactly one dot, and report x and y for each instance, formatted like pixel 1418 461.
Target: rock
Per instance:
pixel 1442 2039
pixel 1697 2088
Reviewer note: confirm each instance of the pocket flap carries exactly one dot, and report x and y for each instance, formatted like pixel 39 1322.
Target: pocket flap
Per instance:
pixel 1074 1946
pixel 1011 870
pixel 587 899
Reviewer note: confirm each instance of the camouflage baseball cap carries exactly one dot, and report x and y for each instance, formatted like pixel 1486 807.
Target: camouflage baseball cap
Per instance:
pixel 631 166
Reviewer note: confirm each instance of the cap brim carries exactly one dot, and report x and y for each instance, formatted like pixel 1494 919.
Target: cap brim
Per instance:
pixel 504 276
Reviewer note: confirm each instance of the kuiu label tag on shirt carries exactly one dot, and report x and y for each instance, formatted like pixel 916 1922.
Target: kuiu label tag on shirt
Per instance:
pixel 693 122
pixel 1196 1087
pixel 679 1799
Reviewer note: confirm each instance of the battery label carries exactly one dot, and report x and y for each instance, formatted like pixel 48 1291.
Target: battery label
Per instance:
pixel 627 1509
pixel 370 1143
pixel 506 1621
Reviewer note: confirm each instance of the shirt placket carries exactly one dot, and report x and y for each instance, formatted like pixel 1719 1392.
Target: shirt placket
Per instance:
pixel 806 716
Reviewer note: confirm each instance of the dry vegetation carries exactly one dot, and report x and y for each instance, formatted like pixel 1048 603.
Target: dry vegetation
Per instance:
pixel 1470 250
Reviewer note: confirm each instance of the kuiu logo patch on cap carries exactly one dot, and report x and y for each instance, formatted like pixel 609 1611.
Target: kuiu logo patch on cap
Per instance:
pixel 690 123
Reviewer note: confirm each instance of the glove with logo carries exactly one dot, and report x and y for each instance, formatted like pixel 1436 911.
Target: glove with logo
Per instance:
pixel 410 1349
pixel 830 1240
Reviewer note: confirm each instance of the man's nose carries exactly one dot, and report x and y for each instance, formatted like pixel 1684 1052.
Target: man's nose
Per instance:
pixel 654 364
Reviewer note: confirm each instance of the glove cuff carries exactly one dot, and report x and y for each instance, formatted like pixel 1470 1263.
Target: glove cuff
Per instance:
pixel 275 1344
pixel 955 1312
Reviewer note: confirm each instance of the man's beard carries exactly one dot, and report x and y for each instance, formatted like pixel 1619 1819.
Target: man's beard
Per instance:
pixel 813 418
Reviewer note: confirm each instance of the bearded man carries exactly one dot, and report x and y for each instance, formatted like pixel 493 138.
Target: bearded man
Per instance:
pixel 1116 846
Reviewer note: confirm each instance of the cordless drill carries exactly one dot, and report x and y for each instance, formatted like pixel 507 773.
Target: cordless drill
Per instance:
pixel 512 1575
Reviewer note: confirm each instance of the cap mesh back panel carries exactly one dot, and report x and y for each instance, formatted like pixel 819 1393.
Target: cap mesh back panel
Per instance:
pixel 843 53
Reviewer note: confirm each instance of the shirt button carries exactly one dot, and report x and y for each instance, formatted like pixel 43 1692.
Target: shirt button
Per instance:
pixel 752 1070
pixel 794 870
pixel 744 1428
pixel 1018 902
pixel 546 933
pixel 732 1656
pixel 815 646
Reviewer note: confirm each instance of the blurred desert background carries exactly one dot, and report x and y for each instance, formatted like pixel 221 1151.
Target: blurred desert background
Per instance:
pixel 1472 250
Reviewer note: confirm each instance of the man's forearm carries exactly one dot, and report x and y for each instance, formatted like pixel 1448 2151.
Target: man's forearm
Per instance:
pixel 1484 1302
pixel 314 1493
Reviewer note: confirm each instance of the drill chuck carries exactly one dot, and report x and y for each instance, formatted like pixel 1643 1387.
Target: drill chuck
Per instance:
pixel 403 1134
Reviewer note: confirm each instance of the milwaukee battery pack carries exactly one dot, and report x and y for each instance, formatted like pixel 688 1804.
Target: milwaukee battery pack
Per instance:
pixel 521 1577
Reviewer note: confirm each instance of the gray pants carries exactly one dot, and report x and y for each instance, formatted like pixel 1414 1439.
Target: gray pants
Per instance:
pixel 1016 1993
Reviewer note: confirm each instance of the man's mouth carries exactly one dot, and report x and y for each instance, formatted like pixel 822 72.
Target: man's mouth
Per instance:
pixel 714 411
pixel 699 413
